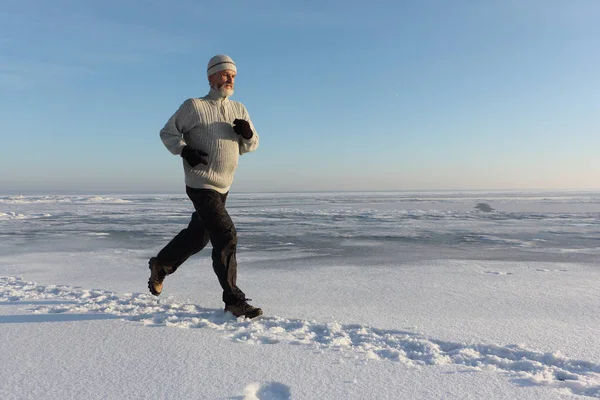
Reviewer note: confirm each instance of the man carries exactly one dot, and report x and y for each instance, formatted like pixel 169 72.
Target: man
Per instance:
pixel 209 134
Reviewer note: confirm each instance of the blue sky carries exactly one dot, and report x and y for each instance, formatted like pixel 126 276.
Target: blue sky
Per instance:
pixel 345 95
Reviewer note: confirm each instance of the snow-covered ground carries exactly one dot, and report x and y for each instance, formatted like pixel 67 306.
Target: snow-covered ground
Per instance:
pixel 366 296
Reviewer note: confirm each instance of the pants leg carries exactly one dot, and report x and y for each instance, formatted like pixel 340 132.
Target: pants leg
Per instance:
pixel 210 207
pixel 187 243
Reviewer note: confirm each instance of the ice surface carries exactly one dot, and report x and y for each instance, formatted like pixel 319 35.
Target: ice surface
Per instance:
pixel 427 282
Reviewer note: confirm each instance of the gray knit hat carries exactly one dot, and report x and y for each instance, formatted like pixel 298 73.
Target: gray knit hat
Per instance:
pixel 219 63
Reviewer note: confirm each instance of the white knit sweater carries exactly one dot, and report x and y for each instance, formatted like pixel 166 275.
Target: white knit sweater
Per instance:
pixel 206 124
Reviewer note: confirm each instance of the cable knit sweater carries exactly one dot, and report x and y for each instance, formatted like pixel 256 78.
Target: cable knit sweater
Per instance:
pixel 206 124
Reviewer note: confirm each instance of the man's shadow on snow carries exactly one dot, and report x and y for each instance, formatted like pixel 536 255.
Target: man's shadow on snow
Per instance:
pixel 59 312
pixel 57 315
pixel 30 318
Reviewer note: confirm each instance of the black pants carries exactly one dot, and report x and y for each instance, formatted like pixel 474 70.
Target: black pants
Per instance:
pixel 211 222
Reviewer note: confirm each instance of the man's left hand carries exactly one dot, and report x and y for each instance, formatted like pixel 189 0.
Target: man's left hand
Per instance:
pixel 242 128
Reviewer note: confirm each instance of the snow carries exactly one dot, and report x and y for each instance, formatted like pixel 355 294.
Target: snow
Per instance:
pixel 366 296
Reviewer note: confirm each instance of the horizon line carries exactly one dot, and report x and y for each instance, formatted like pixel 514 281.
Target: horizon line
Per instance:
pixel 33 192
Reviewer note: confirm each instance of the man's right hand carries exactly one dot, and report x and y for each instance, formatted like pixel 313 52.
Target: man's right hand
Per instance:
pixel 194 156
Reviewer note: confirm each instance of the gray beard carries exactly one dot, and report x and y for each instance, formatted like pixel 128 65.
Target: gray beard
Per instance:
pixel 222 92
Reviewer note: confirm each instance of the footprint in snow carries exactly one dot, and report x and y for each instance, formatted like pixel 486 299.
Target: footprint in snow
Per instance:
pixel 267 391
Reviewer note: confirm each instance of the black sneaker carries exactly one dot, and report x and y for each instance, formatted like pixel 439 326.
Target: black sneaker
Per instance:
pixel 157 276
pixel 243 309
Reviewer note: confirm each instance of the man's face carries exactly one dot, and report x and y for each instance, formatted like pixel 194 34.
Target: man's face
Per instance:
pixel 224 79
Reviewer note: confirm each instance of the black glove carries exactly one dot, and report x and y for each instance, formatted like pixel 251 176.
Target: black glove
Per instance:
pixel 193 156
pixel 242 128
